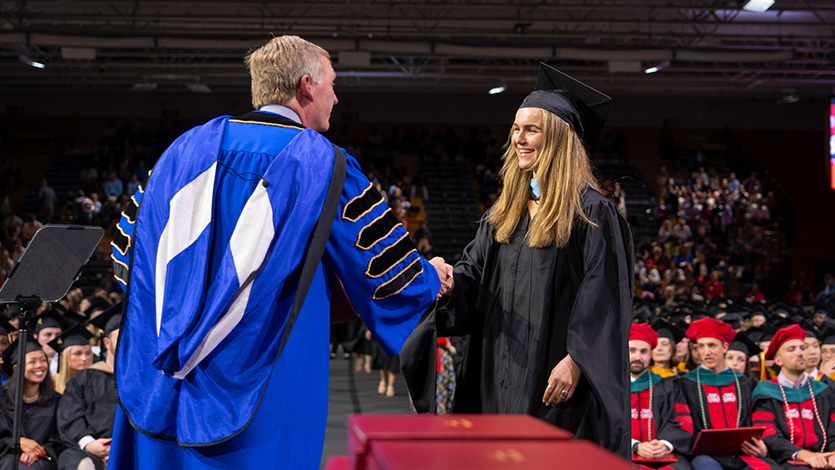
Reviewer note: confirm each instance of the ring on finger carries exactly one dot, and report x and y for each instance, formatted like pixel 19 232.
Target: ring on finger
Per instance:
pixel 550 386
pixel 564 393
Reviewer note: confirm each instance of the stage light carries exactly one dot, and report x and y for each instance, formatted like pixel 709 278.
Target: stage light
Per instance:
pixel 26 60
pixel 655 68
pixel 496 90
pixel 758 6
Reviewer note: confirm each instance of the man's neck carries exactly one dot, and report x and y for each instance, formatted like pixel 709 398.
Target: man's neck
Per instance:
pixel 638 375
pixel 794 376
pixel 812 371
pixel 718 368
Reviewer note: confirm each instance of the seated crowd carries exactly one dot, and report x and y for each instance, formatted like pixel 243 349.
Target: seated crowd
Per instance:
pixel 721 365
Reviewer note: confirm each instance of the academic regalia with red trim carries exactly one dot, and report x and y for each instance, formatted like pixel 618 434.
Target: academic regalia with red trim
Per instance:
pixel 726 400
pixel 769 410
pixel 671 419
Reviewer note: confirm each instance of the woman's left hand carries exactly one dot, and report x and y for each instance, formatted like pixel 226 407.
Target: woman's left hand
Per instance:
pixel 562 382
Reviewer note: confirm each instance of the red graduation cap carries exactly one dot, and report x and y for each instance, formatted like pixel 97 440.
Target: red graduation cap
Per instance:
pixel 643 332
pixel 710 328
pixel 784 334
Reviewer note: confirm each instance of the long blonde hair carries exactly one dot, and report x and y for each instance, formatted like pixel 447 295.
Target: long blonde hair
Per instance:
pixel 64 372
pixel 563 174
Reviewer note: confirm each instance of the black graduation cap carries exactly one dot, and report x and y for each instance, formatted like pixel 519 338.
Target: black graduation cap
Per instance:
pixel 581 106
pixel 10 354
pixel 69 314
pixel 743 343
pixel 733 319
pixel 108 320
pixel 5 326
pixel 828 335
pixel 666 329
pixel 78 335
pixel 50 319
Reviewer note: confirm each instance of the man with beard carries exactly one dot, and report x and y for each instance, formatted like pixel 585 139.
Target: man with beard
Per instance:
pixel 661 421
pixel 795 410
pixel 718 396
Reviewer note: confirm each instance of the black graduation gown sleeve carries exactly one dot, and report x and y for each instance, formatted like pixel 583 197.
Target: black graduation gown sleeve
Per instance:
pixel 450 317
pixel 598 327
pixel 88 407
pixel 675 424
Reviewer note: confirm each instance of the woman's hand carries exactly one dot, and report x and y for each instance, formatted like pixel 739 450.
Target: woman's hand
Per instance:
pixel 28 446
pixel 562 382
pixel 754 448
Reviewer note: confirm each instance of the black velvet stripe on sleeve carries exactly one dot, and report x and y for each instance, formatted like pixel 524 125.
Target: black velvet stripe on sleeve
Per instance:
pixel 399 282
pixel 121 241
pixel 362 204
pixel 131 211
pixel 377 230
pixel 120 271
pixel 390 257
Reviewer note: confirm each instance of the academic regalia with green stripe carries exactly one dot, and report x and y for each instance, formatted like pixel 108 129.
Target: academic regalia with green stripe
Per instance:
pixel 769 410
pixel 670 418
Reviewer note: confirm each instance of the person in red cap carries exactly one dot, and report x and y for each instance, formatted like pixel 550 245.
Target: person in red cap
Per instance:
pixel 661 421
pixel 719 397
pixel 795 409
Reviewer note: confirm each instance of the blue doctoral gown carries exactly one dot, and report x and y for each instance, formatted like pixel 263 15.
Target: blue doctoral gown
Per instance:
pixel 216 239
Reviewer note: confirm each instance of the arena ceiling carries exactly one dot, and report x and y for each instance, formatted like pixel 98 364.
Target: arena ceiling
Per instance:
pixel 703 47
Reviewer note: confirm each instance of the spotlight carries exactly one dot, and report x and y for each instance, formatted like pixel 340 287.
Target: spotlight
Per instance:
pixel 655 68
pixel 758 6
pixel 496 90
pixel 26 60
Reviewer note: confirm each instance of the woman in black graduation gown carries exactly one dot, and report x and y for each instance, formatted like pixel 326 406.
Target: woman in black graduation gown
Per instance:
pixel 39 433
pixel 545 289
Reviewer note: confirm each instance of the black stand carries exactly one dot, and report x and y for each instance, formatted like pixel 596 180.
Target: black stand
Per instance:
pixel 60 251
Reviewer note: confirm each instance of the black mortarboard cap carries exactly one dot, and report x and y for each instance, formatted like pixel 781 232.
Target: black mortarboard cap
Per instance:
pixel 733 319
pixel 109 319
pixel 666 329
pixel 5 326
pixel 51 318
pixel 828 335
pixel 78 335
pixel 743 343
pixel 69 314
pixel 10 354
pixel 581 106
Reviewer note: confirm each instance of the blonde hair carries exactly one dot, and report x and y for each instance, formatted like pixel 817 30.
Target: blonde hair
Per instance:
pixel 563 174
pixel 277 67
pixel 64 372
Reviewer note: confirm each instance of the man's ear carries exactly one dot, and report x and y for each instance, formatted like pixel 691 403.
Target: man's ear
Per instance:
pixel 304 90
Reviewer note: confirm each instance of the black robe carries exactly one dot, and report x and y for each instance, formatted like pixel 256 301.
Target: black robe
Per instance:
pixel 724 402
pixel 526 308
pixel 671 419
pixel 769 411
pixel 87 408
pixel 38 425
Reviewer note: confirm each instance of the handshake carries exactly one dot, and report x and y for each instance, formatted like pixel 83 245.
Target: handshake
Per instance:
pixel 444 274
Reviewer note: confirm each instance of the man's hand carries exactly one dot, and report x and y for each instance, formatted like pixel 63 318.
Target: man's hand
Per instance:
pixel 754 448
pixel 444 275
pixel 827 368
pixel 815 459
pixel 100 448
pixel 653 449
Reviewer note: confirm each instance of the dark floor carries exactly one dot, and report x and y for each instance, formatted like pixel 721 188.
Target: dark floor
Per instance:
pixel 356 392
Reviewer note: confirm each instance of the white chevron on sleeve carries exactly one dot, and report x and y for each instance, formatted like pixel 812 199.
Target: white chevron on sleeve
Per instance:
pixel 249 245
pixel 190 212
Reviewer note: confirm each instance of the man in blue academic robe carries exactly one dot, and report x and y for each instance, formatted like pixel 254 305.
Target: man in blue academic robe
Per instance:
pixel 209 253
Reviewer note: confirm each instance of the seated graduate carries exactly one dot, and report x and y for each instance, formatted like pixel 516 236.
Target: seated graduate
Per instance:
pixel 661 421
pixel 813 359
pixel 76 354
pixel 39 435
pixel 743 354
pixel 828 352
pixel 88 406
pixel 663 354
pixel 795 410
pixel 48 326
pixel 718 396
